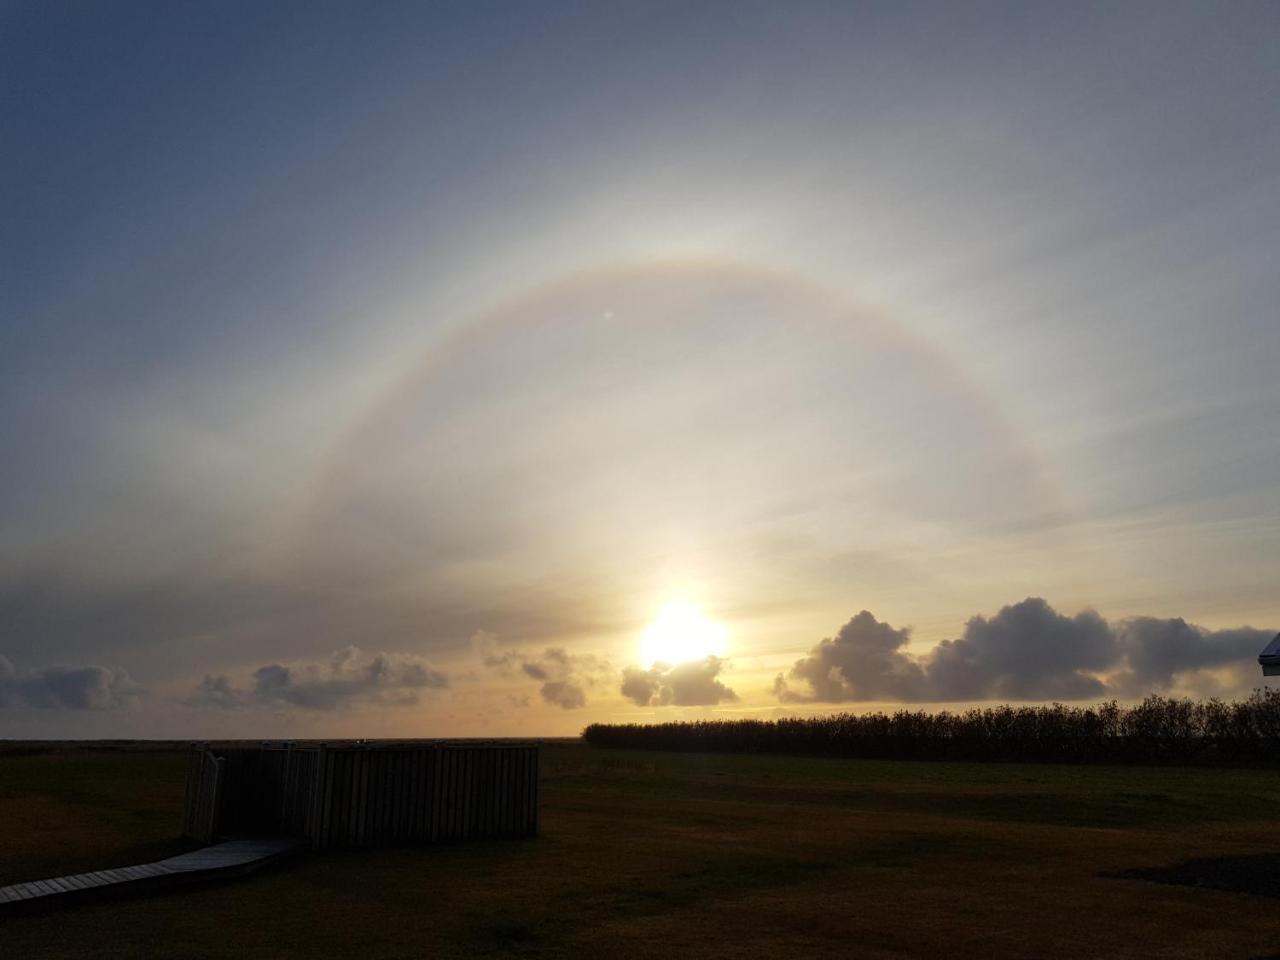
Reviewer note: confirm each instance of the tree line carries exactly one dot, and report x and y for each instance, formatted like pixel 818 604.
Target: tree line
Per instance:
pixel 1157 730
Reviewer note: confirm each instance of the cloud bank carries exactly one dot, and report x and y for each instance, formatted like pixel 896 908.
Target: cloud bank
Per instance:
pixel 1027 651
pixel 693 684
pixel 67 687
pixel 564 677
pixel 349 678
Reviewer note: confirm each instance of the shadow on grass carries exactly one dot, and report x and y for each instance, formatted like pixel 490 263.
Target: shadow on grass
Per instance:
pixel 1256 874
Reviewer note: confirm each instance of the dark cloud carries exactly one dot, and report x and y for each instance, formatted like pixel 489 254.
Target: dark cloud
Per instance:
pixel 692 684
pixel 349 677
pixel 564 693
pixel 864 661
pixel 1027 651
pixel 642 686
pixel 564 677
pixel 1160 654
pixel 67 687
pixel 535 670
pixel 218 692
pixel 176 626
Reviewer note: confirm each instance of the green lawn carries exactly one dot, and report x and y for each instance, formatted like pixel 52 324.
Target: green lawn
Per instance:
pixel 670 855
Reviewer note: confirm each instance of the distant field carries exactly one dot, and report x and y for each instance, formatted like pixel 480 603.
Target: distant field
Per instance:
pixel 671 855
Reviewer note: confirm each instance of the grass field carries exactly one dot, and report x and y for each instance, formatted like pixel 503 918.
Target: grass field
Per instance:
pixel 674 855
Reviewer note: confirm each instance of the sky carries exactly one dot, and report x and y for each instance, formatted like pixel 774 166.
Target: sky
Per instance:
pixel 490 369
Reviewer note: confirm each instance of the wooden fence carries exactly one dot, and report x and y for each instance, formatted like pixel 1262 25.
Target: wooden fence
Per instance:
pixel 344 796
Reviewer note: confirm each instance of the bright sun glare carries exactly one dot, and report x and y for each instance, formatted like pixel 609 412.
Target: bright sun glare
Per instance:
pixel 681 633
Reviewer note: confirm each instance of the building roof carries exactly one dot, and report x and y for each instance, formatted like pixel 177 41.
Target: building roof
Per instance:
pixel 1270 658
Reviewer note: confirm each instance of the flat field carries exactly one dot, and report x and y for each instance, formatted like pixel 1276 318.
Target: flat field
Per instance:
pixel 686 855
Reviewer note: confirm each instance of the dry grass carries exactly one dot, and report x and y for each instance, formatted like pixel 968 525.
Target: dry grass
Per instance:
pixel 650 855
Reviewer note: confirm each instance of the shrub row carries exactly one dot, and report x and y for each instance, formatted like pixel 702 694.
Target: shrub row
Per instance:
pixel 1157 730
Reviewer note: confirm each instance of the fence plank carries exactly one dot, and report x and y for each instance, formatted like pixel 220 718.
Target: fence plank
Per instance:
pixel 364 795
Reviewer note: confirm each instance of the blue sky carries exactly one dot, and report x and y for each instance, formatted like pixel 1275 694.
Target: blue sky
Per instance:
pixel 473 336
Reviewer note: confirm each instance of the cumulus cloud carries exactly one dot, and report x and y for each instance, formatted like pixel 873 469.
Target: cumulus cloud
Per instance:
pixel 564 693
pixel 563 677
pixel 218 692
pixel 692 684
pixel 1027 651
pixel 864 661
pixel 68 687
pixel 1160 654
pixel 349 677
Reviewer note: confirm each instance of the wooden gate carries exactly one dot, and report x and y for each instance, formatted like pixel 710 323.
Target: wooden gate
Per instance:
pixel 203 797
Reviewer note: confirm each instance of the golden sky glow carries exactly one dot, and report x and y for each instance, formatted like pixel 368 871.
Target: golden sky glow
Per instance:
pixel 679 633
pixel 449 371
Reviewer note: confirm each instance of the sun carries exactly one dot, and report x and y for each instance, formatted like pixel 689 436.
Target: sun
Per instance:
pixel 681 633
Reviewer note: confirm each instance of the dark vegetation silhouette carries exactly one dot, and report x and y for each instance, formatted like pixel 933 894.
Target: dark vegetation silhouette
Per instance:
pixel 1157 730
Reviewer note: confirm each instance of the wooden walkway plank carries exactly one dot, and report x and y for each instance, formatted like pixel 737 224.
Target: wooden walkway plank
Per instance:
pixel 230 857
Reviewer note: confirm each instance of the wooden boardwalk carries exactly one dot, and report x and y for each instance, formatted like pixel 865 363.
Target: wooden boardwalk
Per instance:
pixel 230 858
